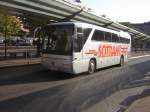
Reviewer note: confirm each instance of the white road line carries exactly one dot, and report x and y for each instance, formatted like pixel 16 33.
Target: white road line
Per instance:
pixel 139 56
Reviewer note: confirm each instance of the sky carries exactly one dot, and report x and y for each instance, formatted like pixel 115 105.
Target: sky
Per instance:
pixel 134 11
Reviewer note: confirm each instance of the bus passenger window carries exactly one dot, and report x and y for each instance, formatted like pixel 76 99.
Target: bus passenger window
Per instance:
pixel 98 36
pixel 115 38
pixel 124 40
pixel 108 37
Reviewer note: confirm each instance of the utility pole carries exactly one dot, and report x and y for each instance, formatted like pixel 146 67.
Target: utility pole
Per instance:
pixel 5 35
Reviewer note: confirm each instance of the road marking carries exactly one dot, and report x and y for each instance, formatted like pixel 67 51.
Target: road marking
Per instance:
pixel 139 56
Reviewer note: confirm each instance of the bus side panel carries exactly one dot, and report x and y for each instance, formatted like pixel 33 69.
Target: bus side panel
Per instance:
pixel 105 57
pixel 91 50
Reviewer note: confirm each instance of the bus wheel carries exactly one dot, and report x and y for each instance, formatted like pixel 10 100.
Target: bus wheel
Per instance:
pixel 121 61
pixel 92 67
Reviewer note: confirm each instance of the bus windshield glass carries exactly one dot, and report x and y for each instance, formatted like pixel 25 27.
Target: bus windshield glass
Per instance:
pixel 58 39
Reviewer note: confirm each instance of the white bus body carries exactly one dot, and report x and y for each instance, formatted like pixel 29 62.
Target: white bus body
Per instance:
pixel 83 47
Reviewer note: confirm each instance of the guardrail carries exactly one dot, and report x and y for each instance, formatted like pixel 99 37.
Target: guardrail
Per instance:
pixel 17 52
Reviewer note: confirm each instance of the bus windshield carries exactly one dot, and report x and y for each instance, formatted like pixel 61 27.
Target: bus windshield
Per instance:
pixel 58 39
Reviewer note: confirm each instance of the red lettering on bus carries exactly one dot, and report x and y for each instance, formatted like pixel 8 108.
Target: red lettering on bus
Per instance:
pixel 108 50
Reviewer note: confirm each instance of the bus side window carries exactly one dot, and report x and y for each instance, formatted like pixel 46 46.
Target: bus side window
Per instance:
pixel 128 41
pixel 98 35
pixel 115 38
pixel 124 40
pixel 108 37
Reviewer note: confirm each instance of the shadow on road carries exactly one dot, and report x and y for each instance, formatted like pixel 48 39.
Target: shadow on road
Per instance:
pixel 39 76
pixel 42 75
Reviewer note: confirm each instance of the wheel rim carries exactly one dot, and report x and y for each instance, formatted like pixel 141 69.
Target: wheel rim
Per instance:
pixel 91 67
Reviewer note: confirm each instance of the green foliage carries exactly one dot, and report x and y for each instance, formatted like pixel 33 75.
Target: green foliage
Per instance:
pixel 10 24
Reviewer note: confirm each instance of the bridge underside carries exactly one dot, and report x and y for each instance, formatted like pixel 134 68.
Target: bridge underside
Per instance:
pixel 57 10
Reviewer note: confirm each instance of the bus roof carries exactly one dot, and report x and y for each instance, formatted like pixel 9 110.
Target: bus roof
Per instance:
pixel 86 25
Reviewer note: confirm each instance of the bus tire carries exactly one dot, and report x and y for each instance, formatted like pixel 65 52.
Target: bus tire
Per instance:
pixel 121 61
pixel 92 66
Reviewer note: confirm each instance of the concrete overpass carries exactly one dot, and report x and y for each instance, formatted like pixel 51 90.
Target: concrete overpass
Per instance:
pixel 60 9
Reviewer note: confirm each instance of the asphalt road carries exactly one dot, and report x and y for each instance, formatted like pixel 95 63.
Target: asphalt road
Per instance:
pixel 34 89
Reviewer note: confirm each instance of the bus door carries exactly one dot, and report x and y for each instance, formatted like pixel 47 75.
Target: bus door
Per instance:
pixel 79 43
pixel 77 52
pixel 86 46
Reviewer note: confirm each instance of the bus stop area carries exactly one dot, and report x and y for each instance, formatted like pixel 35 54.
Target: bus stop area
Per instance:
pixel 24 81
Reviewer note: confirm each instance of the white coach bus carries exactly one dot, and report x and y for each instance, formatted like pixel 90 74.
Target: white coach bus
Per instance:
pixel 75 47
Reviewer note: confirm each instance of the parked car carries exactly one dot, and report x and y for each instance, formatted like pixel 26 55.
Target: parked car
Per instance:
pixel 19 42
pixel 29 41
pixel 2 40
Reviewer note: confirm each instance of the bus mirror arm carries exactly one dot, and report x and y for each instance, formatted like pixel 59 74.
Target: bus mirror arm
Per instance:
pixel 36 30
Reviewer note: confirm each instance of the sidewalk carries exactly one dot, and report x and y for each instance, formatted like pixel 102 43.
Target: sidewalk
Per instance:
pixel 141 105
pixel 19 62
pixel 134 97
pixel 133 54
pixel 120 101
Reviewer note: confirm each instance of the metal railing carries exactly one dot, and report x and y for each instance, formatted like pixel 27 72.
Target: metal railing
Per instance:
pixel 17 52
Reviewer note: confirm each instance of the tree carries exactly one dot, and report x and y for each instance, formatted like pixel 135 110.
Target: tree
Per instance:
pixel 11 23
